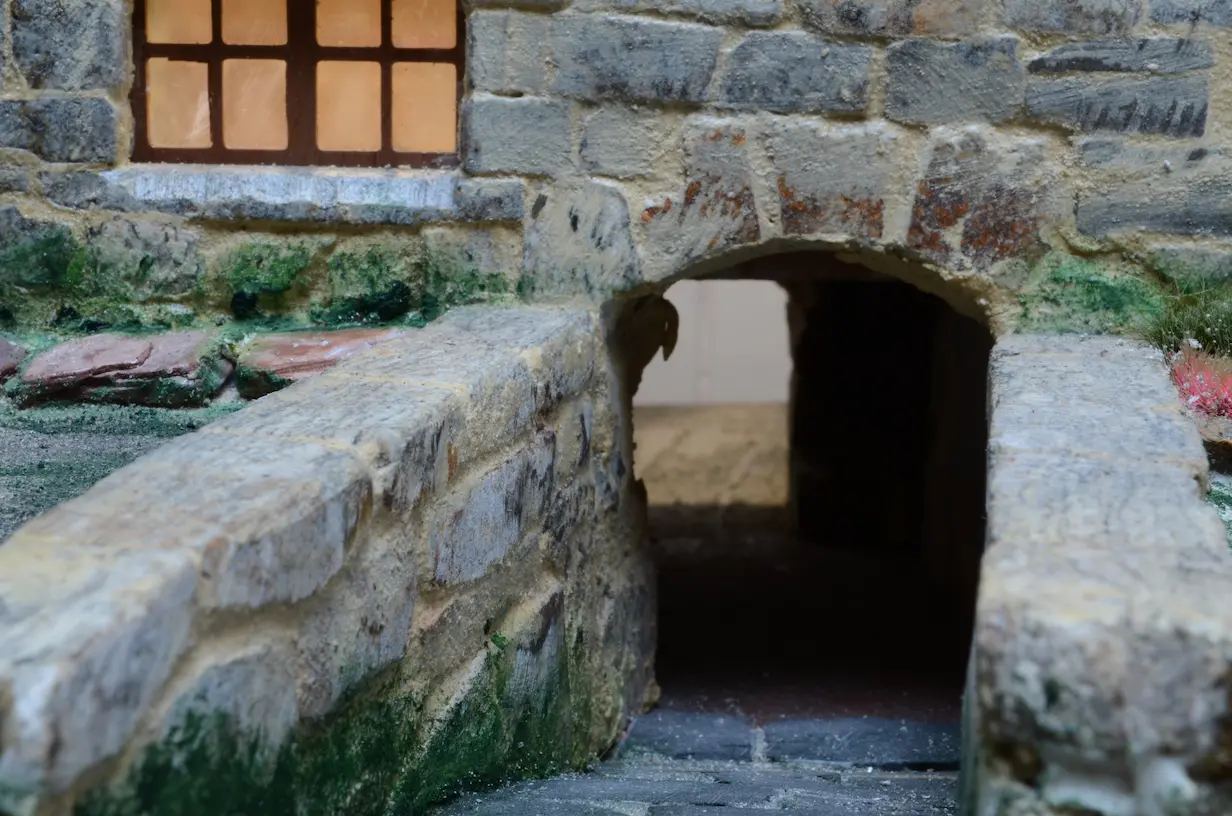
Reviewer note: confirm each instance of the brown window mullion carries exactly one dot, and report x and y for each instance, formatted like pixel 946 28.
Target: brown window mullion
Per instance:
pixel 301 82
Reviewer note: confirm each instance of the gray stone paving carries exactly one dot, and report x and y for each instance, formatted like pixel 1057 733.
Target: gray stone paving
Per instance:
pixel 685 764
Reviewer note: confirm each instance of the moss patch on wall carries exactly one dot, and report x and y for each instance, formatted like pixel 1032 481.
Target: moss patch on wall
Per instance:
pixel 1220 497
pixel 1097 296
pixel 382 753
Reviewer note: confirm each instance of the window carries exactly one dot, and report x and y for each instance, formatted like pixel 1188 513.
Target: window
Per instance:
pixel 328 82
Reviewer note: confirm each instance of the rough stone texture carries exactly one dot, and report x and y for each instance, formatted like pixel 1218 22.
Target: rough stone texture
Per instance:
pixel 524 136
pixel 1084 17
pixel 1195 266
pixel 893 18
pixel 1187 12
pixel 155 260
pixel 60 128
pixel 623 142
pixel 716 209
pixel 633 60
pixel 1157 55
pixel 1172 106
pixel 578 240
pixel 274 361
pixel 685 735
pixel 933 83
pixel 729 12
pixel 868 742
pixel 11 356
pixel 834 180
pixel 521 64
pixel 71 45
pixel 795 72
pixel 172 370
pixel 982 200
pixel 1101 489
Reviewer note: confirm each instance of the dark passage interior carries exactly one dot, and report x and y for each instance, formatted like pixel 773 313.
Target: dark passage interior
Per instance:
pixel 820 559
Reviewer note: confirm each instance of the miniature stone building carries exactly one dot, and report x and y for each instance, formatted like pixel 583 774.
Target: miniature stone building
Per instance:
pixel 421 566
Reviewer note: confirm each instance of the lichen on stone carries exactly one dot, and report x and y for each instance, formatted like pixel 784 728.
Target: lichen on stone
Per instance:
pixel 1097 296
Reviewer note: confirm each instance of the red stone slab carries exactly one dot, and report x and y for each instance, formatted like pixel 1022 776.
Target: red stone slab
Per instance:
pixel 11 356
pixel 171 355
pixel 295 356
pixel 87 358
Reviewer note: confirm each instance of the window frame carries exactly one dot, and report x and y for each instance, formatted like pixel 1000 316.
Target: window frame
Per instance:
pixel 301 53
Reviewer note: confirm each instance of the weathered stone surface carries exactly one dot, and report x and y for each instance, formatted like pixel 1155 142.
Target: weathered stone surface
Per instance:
pixel 1172 106
pixel 172 370
pixel 893 18
pixel 60 128
pixel 1178 191
pixel 834 179
pixel 795 72
pixel 933 83
pixel 633 60
pixel 489 200
pixel 1090 17
pixel 1187 12
pixel 867 742
pixel 1157 55
pixel 1193 266
pixel 71 45
pixel 525 136
pixel 11 356
pixel 155 260
pixel 520 64
pixel 34 253
pixel 274 361
pixel 715 211
pixel 14 178
pixel 685 735
pixel 982 200
pixel 625 142
pixel 466 538
pixel 578 240
pixel 728 12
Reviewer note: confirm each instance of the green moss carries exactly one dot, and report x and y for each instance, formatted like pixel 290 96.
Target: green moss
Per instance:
pixel 378 756
pixel 1220 498
pixel 112 420
pixel 253 383
pixel 451 282
pixel 263 268
pixel 48 258
pixel 1069 294
pixel 373 284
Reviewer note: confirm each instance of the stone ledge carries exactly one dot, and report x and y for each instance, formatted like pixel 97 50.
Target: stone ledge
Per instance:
pixel 99 595
pixel 311 195
pixel 1103 629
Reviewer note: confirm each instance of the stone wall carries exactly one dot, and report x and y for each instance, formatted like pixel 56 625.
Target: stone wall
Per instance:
pixel 418 571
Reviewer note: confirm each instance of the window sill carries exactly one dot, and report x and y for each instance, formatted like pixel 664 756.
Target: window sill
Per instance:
pixel 317 195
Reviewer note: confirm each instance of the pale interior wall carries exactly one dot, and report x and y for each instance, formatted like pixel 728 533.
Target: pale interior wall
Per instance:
pixel 732 348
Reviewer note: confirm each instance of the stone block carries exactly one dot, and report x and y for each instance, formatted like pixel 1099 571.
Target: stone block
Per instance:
pixel 1096 18
pixel 600 57
pixel 476 530
pixel 1216 13
pixel 524 136
pixel 625 142
pixel 521 64
pixel 893 18
pixel 866 742
pixel 983 199
pixel 152 260
pixel 685 735
pixel 11 356
pixel 71 45
pixel 14 178
pixel 60 128
pixel 274 361
pixel 35 253
pixel 489 200
pixel 1190 200
pixel 795 72
pixel 835 179
pixel 1193 266
pixel 714 212
pixel 578 240
pixel 85 190
pixel 933 83
pixel 1170 106
pixel 1156 55
pixel 752 13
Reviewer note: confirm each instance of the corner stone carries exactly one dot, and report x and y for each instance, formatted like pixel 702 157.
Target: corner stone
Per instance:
pixel 933 83
pixel 525 136
pixel 791 72
pixel 1169 106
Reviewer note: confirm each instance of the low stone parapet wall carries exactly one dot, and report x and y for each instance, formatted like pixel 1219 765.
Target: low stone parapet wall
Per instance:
pixel 411 572
pixel 1104 633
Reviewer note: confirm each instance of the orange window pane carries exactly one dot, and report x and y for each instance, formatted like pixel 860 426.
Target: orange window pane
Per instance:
pixel 349 23
pixel 177 103
pixel 349 106
pixel 178 21
pixel 425 107
pixel 254 104
pixel 425 23
pixel 254 22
